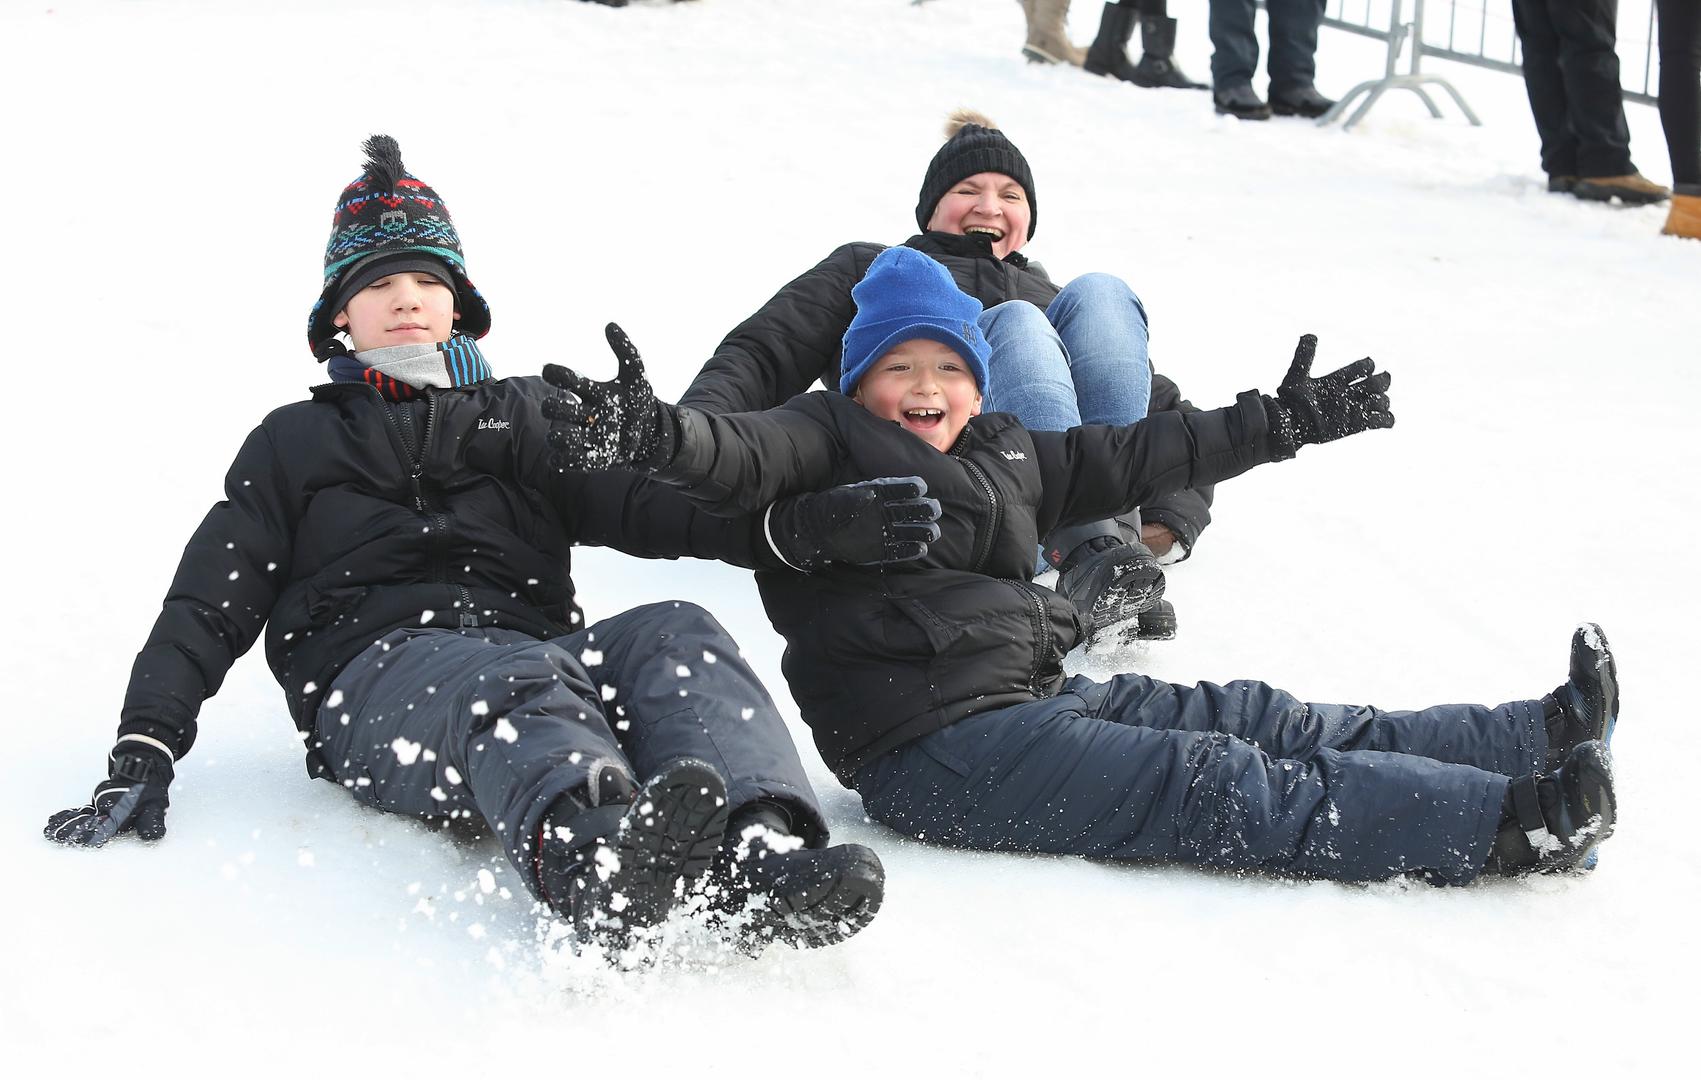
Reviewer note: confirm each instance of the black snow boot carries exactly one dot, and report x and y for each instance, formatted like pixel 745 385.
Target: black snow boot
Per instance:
pixel 1156 623
pixel 1110 582
pixel 1241 102
pixel 1157 64
pixel 1108 54
pixel 785 892
pixel 1300 101
pixel 1555 822
pixel 1585 709
pixel 613 868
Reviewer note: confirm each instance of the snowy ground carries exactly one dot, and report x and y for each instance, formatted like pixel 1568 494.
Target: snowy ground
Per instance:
pixel 170 170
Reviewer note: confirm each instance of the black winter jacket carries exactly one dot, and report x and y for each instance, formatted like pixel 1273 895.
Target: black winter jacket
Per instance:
pixel 876 658
pixel 795 338
pixel 346 517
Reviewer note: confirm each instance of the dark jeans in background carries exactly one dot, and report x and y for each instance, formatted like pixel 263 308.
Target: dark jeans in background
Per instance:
pixel 1571 75
pixel 1293 43
pixel 1680 87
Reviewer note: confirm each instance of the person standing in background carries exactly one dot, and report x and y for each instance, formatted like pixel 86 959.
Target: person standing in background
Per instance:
pixel 1571 75
pixel 1680 111
pixel 1292 63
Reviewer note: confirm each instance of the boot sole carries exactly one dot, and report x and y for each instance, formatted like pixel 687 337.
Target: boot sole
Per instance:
pixel 1119 603
pixel 1608 669
pixel 668 839
pixel 1309 114
pixel 834 907
pixel 1243 114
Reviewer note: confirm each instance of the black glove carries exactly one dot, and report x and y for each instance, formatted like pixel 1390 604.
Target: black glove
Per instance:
pixel 873 523
pixel 1341 403
pixel 134 796
pixel 609 425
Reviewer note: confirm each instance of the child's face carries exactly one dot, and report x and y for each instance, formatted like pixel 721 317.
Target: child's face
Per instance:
pixel 989 203
pixel 402 309
pixel 926 387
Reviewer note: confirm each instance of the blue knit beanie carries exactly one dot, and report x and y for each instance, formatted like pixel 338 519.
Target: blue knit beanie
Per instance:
pixel 907 295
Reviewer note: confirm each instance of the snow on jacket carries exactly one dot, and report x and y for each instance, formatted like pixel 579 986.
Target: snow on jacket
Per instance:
pixel 794 339
pixel 346 517
pixel 875 658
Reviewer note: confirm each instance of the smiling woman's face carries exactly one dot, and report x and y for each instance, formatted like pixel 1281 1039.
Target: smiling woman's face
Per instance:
pixel 989 203
pixel 402 309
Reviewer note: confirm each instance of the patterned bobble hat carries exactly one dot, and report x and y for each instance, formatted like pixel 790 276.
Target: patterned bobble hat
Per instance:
pixel 390 222
pixel 973 144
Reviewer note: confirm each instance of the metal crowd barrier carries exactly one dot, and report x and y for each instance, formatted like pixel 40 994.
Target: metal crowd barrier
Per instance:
pixel 1476 32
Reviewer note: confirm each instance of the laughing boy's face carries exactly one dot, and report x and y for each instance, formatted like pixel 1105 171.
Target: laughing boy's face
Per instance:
pixel 926 387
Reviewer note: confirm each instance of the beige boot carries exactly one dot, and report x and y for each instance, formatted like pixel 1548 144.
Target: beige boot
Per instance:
pixel 1685 217
pixel 1048 36
pixel 1632 189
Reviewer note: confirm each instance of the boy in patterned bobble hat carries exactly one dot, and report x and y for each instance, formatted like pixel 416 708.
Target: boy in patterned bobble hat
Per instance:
pixel 404 543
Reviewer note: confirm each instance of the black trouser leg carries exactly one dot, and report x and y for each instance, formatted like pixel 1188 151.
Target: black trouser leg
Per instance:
pixel 1680 87
pixel 1546 86
pixel 1588 60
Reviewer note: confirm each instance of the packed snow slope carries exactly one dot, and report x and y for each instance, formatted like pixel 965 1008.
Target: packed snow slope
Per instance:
pixel 170 169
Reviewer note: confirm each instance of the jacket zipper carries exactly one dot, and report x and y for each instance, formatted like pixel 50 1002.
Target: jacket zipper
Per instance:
pixel 1042 630
pixel 439 520
pixel 995 515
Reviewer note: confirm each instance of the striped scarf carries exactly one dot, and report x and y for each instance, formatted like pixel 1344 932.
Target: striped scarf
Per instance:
pixel 399 372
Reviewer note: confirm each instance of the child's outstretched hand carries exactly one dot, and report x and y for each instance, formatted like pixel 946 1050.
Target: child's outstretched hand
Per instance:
pixel 609 425
pixel 133 796
pixel 1309 410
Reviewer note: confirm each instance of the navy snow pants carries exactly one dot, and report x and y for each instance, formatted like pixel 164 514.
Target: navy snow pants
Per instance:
pixel 1235 776
pixel 487 721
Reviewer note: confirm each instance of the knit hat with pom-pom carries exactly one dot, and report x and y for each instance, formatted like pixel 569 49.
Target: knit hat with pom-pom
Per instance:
pixel 390 222
pixel 973 144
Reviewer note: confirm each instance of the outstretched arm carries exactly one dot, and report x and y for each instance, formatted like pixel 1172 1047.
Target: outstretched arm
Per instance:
pixel 728 464
pixel 1094 471
pixel 224 589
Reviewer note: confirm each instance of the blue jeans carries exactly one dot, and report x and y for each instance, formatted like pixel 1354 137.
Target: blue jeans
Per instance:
pixel 1235 776
pixel 1293 43
pixel 1081 361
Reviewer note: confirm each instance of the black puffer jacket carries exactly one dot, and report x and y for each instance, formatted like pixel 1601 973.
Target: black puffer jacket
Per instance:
pixel 875 658
pixel 794 340
pixel 347 517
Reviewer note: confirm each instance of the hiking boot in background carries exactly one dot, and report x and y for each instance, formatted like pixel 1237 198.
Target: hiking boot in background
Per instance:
pixel 1632 189
pixel 1684 219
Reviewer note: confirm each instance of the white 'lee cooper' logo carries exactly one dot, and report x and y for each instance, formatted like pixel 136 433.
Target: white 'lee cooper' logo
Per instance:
pixel 494 425
pixel 1013 455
